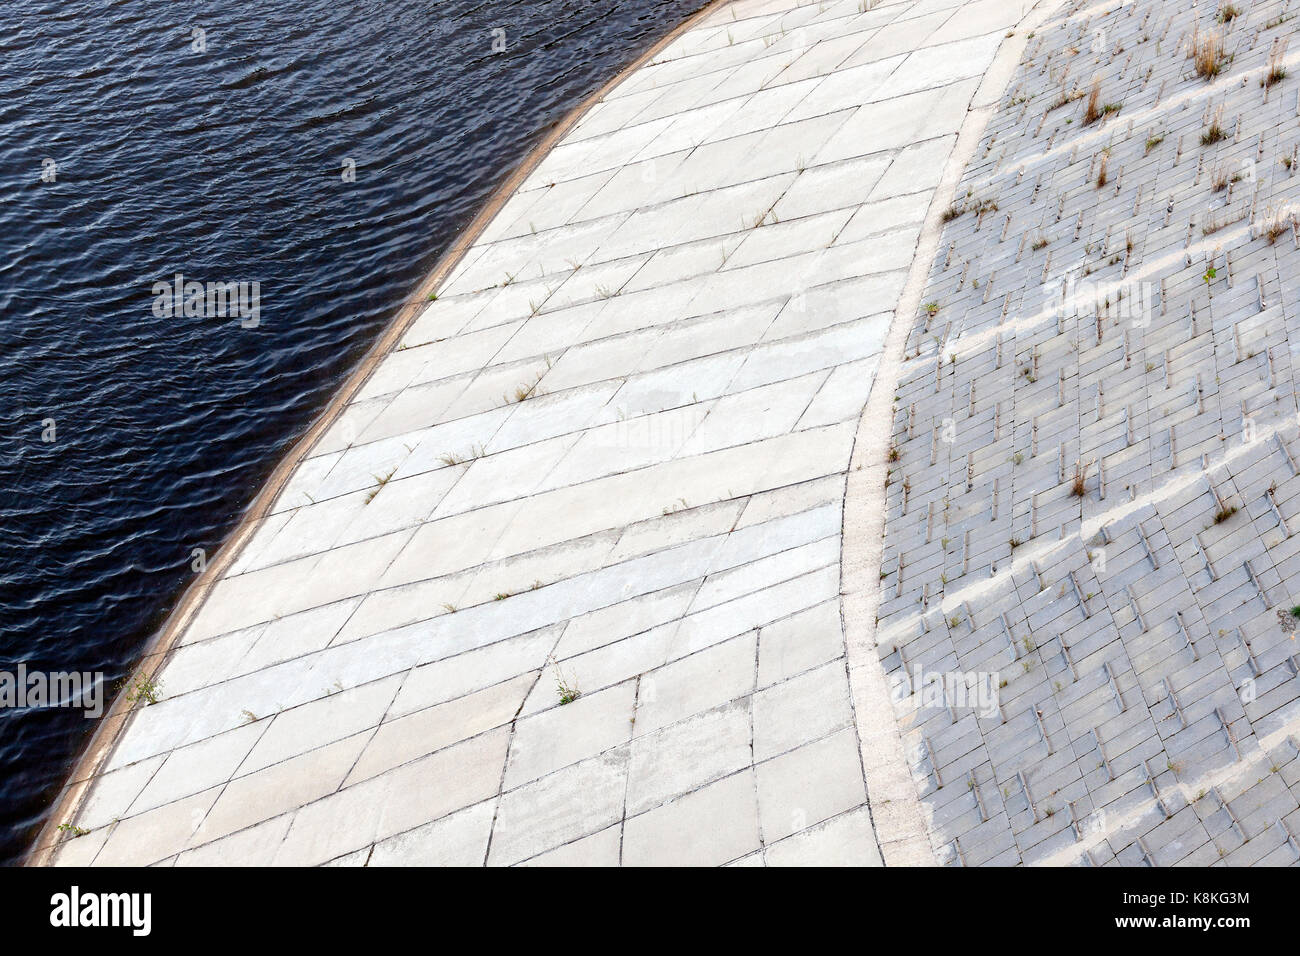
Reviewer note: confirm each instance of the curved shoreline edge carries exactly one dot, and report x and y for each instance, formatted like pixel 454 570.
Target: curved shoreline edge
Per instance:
pixel 896 825
pixel 105 737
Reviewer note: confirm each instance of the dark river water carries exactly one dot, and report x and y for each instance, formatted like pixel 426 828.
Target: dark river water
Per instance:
pixel 140 139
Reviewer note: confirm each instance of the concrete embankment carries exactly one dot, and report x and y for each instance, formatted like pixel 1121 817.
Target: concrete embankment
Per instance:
pixel 560 578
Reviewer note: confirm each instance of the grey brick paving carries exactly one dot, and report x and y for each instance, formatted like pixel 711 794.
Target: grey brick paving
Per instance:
pixel 1113 299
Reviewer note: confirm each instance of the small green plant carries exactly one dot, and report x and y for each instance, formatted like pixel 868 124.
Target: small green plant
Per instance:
pixel 952 212
pixel 144 688
pixel 1210 274
pixel 894 453
pixel 501 596
pixel 932 308
pixel 74 830
pixel 1017 458
pixel 1295 611
pixel 1153 142
pixel 566 689
pixel 1039 243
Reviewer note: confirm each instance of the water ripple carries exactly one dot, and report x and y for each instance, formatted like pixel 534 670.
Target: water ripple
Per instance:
pixel 220 165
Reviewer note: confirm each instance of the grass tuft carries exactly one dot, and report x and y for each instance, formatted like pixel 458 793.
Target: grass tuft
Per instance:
pixel 144 688
pixel 1214 132
pixel 566 689
pixel 1224 513
pixel 1276 71
pixel 1207 53
pixel 1093 111
pixel 1078 487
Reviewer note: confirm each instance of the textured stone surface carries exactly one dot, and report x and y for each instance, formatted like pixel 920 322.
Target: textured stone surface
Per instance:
pixel 1111 301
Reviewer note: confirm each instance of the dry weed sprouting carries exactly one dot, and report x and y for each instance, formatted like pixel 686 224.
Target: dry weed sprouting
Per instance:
pixel 1093 111
pixel 1214 132
pixel 1277 222
pixel 1065 97
pixel 1276 71
pixel 1207 52
pixel 1078 487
